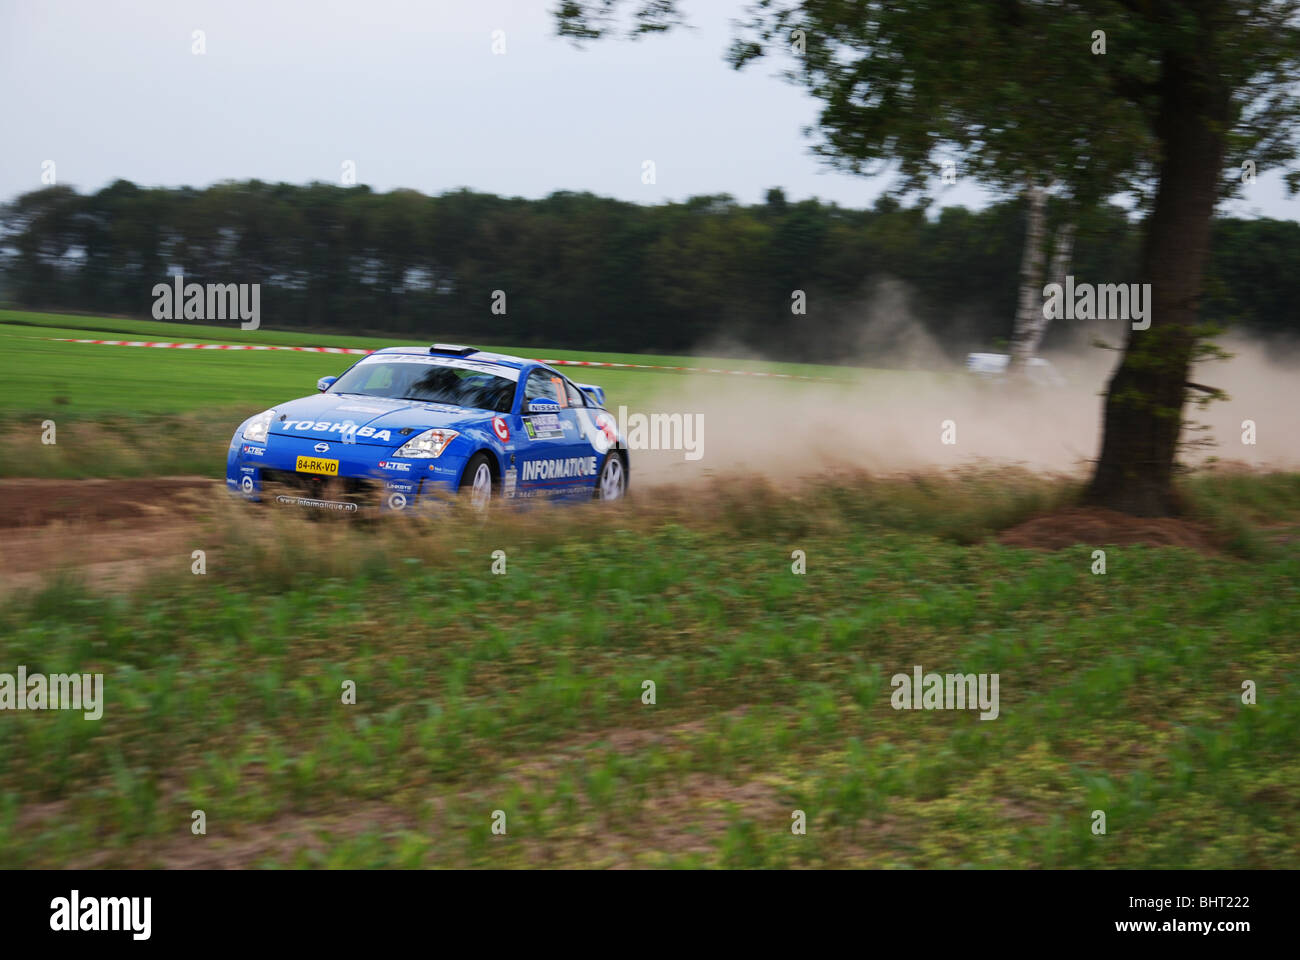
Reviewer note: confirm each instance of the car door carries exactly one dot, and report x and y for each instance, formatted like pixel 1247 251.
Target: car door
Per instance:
pixel 556 459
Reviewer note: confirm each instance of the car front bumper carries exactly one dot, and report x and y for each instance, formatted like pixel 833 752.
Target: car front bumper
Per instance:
pixel 368 477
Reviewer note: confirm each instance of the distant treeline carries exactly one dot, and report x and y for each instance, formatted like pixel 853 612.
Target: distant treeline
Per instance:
pixel 579 270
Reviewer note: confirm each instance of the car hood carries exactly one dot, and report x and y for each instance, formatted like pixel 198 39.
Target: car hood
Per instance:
pixel 377 420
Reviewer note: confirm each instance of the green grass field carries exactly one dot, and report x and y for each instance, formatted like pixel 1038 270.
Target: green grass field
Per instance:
pixel 44 377
pixel 522 692
pixel 124 408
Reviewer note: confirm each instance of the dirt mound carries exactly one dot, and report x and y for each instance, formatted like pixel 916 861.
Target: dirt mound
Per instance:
pixel 1098 527
pixel 34 503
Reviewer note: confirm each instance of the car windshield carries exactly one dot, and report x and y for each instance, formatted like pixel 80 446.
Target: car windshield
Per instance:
pixel 429 382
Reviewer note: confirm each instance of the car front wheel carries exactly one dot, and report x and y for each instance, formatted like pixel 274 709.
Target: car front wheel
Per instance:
pixel 476 482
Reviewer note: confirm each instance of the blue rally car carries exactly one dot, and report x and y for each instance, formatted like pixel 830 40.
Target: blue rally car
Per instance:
pixel 406 426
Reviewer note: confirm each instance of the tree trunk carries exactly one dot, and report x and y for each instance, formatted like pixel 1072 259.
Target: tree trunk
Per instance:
pixel 1029 323
pixel 1062 252
pixel 1144 400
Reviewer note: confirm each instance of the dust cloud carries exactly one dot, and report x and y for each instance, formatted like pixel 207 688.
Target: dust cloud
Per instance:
pixel 892 418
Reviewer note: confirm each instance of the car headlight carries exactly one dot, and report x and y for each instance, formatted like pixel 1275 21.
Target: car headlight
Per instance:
pixel 259 427
pixel 429 444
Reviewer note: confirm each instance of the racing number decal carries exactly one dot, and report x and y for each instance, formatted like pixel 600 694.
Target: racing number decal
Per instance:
pixel 500 429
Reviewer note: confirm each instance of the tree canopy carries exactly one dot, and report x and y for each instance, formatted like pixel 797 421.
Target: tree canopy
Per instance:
pixel 590 272
pixel 1171 100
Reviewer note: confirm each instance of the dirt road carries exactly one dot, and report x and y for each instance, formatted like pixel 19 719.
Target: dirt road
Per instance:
pixel 110 531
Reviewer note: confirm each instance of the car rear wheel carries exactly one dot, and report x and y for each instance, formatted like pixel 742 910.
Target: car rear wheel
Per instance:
pixel 476 482
pixel 612 484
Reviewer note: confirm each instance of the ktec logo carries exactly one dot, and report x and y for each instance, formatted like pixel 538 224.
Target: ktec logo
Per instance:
pixel 394 465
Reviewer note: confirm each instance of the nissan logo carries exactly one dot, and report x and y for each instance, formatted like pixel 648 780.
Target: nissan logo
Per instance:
pixel 322 447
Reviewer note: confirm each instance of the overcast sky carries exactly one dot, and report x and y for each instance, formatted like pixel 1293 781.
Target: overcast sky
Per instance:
pixel 411 92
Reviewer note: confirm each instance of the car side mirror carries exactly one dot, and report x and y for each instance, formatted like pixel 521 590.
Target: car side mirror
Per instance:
pixel 543 406
pixel 324 383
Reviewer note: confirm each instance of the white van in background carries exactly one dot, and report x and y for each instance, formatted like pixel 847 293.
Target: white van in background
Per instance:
pixel 994 366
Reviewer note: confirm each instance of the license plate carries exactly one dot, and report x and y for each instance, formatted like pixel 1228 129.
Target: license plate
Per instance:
pixel 316 465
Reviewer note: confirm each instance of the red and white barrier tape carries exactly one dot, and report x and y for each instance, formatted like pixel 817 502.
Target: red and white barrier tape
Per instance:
pixel 358 350
pixel 649 366
pixel 211 346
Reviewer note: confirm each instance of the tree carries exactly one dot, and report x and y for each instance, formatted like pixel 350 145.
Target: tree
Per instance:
pixel 588 272
pixel 1103 97
pixel 1030 323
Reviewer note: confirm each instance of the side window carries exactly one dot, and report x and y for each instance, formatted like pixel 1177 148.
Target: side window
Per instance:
pixel 575 396
pixel 539 387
